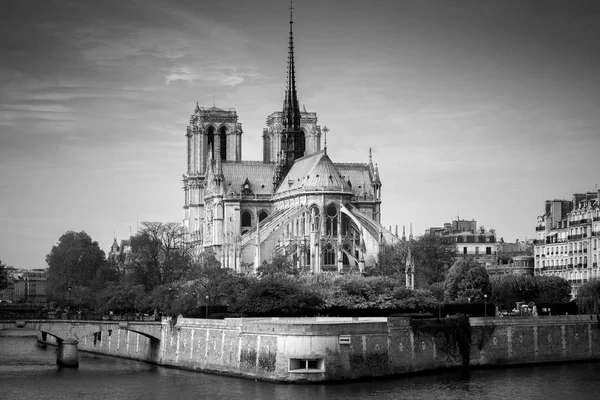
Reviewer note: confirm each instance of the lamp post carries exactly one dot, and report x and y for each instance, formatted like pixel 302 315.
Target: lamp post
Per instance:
pixel 485 305
pixel 69 294
pixel 206 307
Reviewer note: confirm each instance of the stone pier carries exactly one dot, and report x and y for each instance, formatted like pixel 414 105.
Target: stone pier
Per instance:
pixel 66 354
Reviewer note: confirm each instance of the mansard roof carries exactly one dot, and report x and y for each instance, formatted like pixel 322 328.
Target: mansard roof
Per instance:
pixel 258 173
pixel 359 175
pixel 313 172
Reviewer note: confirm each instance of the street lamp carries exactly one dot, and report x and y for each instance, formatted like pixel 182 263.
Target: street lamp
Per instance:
pixel 485 304
pixel 206 307
pixel 69 294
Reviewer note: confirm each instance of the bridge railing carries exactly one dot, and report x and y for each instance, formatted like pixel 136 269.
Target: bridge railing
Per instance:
pixel 93 316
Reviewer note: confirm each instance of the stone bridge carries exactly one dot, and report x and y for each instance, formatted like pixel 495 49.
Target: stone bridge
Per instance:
pixel 69 332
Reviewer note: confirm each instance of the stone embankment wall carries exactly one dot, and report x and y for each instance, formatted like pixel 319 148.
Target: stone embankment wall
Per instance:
pixel 321 349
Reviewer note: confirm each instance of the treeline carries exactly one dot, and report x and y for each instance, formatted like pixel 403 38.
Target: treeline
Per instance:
pixel 161 275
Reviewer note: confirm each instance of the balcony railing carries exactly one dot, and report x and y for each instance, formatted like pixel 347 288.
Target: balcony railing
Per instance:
pixel 585 250
pixel 473 253
pixel 539 241
pixel 540 228
pixel 576 237
pixel 595 233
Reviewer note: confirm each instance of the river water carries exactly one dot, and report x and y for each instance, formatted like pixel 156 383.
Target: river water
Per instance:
pixel 28 371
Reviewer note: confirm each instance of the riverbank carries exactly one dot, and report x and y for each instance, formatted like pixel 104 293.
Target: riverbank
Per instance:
pixel 333 349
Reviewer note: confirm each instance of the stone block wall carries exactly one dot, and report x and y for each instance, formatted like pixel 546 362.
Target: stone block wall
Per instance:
pixel 321 349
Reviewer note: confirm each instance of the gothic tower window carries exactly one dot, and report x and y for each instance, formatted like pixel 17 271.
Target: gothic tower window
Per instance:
pixel 331 221
pixel 223 144
pixel 299 144
pixel 266 147
pixel 246 221
pixel 210 136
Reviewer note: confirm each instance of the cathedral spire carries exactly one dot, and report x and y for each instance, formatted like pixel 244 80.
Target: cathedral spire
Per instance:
pixel 291 108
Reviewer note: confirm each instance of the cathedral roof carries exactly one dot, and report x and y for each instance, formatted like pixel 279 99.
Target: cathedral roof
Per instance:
pixel 258 173
pixel 313 172
pixel 358 175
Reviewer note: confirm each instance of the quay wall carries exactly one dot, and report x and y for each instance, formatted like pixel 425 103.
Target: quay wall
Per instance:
pixel 329 349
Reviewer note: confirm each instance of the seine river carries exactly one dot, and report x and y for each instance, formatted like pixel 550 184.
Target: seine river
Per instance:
pixel 28 371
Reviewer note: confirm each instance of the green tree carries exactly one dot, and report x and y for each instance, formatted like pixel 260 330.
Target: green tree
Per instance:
pixel 434 256
pixel 121 297
pixel 392 260
pixel 467 281
pixel 552 289
pixel 509 289
pixel 277 295
pixel 588 297
pixel 3 276
pixel 278 265
pixel 209 279
pixel 159 255
pixel 72 265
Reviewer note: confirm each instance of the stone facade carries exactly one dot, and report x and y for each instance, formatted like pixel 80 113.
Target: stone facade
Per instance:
pixel 568 239
pixel 471 242
pixel 329 349
pixel 296 202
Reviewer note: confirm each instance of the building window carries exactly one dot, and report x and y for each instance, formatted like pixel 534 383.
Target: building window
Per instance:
pixel 262 215
pixel 477 250
pixel 464 250
pixel 331 221
pixel 303 366
pixel 329 255
pixel 246 221
pixel 488 250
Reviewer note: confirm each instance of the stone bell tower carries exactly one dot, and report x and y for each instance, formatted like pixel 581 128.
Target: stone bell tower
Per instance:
pixel 212 134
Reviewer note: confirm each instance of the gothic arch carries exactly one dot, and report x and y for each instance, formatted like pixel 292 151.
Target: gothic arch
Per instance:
pixel 246 220
pixel 262 214
pixel 331 219
pixel 267 147
pixel 299 144
pixel 210 140
pixel 329 254
pixel 223 141
pixel 315 224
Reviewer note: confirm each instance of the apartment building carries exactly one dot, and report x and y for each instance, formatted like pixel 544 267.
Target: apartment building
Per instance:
pixel 567 239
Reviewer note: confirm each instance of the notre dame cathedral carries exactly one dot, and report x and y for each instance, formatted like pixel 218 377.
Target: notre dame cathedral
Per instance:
pixel 296 202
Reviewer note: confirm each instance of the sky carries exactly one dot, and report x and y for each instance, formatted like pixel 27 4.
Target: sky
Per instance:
pixel 477 109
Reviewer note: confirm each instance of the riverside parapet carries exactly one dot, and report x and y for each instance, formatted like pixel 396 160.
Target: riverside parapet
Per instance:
pixel 330 349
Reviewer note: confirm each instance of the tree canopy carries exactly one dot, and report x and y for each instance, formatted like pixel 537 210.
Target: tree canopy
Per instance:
pixel 3 276
pixel 588 297
pixel 509 289
pixel 433 257
pixel 159 254
pixel 72 265
pixel 467 281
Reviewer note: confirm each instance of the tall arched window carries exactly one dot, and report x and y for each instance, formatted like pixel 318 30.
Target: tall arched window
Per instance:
pixel 329 254
pixel 331 221
pixel 210 138
pixel 223 144
pixel 262 215
pixel 246 221
pixel 315 218
pixel 267 147
pixel 299 144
